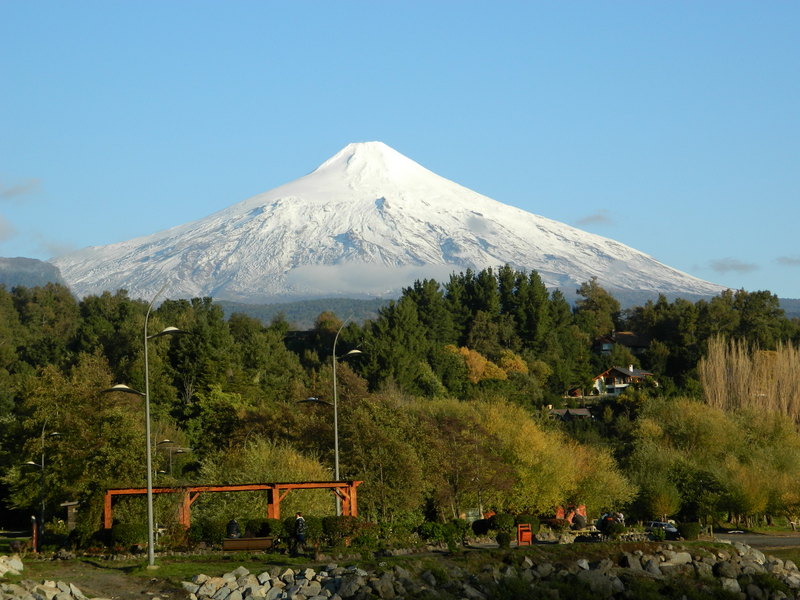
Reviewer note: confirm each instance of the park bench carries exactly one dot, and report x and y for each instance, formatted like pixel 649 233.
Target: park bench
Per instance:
pixel 247 543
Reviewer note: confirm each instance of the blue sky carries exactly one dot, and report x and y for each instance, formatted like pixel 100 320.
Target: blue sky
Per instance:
pixel 672 126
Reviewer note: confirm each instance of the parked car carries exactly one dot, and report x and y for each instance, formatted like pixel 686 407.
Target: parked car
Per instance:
pixel 669 528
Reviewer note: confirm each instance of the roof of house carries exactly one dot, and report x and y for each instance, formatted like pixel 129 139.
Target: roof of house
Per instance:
pixel 630 339
pixel 566 413
pixel 627 371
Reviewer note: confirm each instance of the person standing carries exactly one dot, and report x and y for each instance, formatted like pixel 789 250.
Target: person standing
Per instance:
pixel 299 534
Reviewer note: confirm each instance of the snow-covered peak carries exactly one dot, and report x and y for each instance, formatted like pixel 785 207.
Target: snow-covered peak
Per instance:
pixel 368 221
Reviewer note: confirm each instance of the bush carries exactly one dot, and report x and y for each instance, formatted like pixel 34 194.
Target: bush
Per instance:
pixel 615 529
pixel 502 522
pixel 210 531
pixel 129 534
pixel 461 529
pixel 431 531
pixel 658 534
pixel 689 531
pixel 367 537
pixel 503 539
pixel 274 528
pixel 338 529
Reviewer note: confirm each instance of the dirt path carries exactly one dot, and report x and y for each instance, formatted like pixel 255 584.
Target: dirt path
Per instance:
pixel 103 582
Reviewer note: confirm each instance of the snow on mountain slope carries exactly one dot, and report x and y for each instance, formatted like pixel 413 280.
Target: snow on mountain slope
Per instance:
pixel 366 222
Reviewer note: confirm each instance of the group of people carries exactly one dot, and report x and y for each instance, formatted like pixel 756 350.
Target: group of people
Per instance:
pixel 298 543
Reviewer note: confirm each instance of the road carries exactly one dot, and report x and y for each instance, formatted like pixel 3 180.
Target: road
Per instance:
pixel 762 541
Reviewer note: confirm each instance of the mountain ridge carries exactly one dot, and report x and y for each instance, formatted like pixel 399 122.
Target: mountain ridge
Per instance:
pixel 365 223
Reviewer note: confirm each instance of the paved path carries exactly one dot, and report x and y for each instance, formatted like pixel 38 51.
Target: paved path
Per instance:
pixel 762 541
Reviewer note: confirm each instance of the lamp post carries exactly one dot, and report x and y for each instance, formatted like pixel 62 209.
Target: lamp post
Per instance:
pixel 40 466
pixel 336 415
pixel 172 449
pixel 335 412
pixel 151 555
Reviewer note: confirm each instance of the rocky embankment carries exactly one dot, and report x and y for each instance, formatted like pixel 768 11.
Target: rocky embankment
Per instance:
pixel 33 590
pixel 669 572
pixel 663 571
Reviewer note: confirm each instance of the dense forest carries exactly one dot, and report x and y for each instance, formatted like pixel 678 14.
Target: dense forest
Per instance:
pixel 442 412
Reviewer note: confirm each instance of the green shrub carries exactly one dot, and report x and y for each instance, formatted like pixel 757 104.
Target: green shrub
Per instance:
pixel 503 539
pixel 210 531
pixel 658 534
pixel 502 522
pixel 338 529
pixel 689 531
pixel 367 537
pixel 615 529
pixel 431 532
pixel 313 529
pixel 274 528
pixel 461 529
pixel 129 534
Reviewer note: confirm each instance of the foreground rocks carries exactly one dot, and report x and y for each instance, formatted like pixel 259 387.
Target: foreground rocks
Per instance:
pixel 740 570
pixel 33 590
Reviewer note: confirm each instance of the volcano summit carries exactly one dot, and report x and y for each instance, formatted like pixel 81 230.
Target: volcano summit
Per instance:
pixel 367 222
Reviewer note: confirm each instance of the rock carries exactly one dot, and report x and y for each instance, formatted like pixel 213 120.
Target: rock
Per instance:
pixel 351 584
pixel 384 586
pixel 703 570
pixel 597 582
pixel 471 593
pixel 730 585
pixel 678 558
pixel 190 587
pixel 429 579
pixel 264 577
pixel 630 561
pixel 652 566
pixel 754 592
pixel 241 572
pixel 582 564
pixel 725 569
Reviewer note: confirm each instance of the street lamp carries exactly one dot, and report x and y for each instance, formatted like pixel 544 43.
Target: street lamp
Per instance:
pixel 151 556
pixel 336 415
pixel 40 466
pixel 172 449
pixel 335 405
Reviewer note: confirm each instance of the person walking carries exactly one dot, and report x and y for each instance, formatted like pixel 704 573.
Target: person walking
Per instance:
pixel 299 534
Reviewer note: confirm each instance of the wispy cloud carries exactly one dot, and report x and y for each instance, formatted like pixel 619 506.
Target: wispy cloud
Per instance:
pixel 7 230
pixel 23 188
pixel 727 265
pixel 601 217
pixel 54 247
pixel 788 261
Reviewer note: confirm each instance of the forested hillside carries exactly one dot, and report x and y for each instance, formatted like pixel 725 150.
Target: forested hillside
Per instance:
pixel 443 411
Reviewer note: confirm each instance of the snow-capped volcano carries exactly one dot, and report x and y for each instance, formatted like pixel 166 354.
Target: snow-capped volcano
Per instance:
pixel 367 222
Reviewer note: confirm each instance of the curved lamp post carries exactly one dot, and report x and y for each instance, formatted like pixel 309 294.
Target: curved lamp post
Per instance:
pixel 151 556
pixel 43 503
pixel 335 405
pixel 336 414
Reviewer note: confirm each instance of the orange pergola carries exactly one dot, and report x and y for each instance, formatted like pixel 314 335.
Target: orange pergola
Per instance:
pixel 276 492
